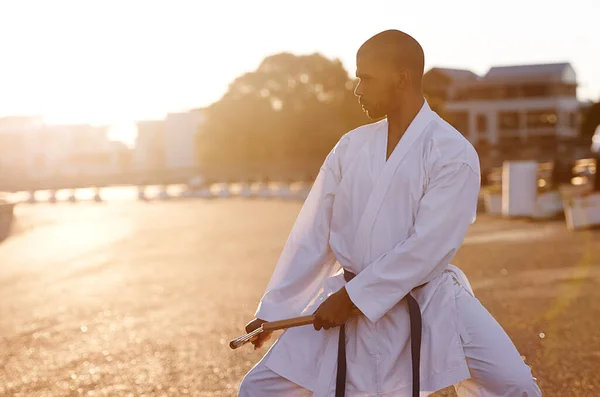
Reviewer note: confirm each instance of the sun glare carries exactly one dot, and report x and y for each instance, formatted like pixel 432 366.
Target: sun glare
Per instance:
pixel 115 63
pixel 124 132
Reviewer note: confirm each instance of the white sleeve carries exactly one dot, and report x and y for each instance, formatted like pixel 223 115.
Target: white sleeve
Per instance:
pixel 307 259
pixel 445 211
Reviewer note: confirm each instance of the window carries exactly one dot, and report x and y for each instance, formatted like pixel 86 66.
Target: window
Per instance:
pixel 542 118
pixel 508 120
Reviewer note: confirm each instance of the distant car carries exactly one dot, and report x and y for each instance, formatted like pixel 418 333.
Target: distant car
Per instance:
pixel 596 141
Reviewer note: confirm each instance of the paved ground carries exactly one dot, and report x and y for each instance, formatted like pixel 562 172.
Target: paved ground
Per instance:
pixel 130 299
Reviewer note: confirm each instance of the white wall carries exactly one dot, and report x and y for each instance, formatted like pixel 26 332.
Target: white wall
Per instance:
pixel 179 138
pixel 149 145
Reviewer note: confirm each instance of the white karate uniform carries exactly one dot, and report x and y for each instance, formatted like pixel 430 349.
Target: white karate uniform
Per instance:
pixel 396 224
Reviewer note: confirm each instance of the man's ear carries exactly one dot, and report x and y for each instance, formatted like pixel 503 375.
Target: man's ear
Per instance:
pixel 402 77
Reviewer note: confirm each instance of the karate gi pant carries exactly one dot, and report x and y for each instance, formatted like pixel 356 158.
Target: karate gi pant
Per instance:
pixel 496 367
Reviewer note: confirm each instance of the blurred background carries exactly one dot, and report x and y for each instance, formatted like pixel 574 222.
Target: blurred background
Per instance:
pixel 154 156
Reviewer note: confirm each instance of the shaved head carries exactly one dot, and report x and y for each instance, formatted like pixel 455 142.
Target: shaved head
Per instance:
pixel 399 50
pixel 390 68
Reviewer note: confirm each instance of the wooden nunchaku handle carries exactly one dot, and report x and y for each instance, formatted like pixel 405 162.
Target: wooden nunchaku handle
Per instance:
pixel 276 325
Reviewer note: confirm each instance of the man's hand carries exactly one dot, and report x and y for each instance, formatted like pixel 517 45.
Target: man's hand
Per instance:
pixel 334 311
pixel 262 337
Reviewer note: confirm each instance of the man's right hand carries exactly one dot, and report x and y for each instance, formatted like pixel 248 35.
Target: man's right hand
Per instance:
pixel 262 337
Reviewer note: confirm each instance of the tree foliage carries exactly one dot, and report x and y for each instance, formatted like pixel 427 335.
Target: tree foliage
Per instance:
pixel 282 118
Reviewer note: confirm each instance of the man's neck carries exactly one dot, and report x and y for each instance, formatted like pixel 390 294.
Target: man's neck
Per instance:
pixel 400 118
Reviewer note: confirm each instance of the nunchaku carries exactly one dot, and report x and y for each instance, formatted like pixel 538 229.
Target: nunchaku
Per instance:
pixel 276 325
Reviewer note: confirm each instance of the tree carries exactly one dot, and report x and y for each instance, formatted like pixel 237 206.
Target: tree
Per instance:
pixel 280 119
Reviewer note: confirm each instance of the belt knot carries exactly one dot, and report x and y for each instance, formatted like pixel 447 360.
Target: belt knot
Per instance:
pixel 348 275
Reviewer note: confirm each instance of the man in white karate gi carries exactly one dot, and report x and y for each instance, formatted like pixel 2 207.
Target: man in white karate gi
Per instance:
pixel 390 205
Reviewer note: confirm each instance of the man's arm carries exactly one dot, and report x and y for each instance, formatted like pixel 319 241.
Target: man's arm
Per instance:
pixel 445 212
pixel 307 259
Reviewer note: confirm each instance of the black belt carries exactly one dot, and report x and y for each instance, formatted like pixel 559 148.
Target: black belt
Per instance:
pixel 415 346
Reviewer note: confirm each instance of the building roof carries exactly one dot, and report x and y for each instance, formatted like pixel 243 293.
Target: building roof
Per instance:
pixel 558 72
pixel 149 123
pixel 456 74
pixel 497 75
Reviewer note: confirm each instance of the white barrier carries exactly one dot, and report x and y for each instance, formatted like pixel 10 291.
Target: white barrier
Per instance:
pixel 283 192
pixel 263 191
pixel 223 190
pixel 142 193
pixel 52 196
pixel 493 202
pixel 205 193
pixel 548 205
pixel 303 191
pixel 73 196
pixel 519 188
pixel 245 190
pixel 32 199
pixel 164 193
pixel 583 211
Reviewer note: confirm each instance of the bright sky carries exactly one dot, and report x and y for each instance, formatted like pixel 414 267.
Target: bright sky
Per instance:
pixel 114 62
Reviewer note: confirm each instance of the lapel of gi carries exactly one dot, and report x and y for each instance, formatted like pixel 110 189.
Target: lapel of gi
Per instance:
pixel 365 226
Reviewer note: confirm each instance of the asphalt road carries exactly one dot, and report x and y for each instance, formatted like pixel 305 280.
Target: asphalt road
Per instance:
pixel 141 299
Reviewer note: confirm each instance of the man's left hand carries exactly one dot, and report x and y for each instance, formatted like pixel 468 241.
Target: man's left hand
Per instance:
pixel 334 311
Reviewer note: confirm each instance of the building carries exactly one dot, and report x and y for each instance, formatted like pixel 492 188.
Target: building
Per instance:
pixel 71 150
pixel 180 131
pixel 149 151
pixel 13 150
pixel 19 123
pixel 440 85
pixel 32 149
pixel 508 105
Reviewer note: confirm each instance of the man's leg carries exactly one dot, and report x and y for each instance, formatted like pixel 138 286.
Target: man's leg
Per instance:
pixel 496 367
pixel 260 381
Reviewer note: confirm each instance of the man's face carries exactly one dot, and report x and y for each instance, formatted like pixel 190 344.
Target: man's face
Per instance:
pixel 375 89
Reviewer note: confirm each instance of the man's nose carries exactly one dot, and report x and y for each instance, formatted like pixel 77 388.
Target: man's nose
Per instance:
pixel 358 90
